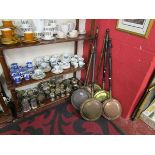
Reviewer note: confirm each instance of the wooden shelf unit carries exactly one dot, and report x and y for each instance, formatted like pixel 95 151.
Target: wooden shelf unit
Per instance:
pixel 12 87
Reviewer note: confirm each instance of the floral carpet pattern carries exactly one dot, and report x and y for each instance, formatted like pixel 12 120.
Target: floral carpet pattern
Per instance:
pixel 60 120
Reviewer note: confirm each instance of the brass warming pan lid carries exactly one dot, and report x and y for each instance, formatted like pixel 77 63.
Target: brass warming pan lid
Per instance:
pixel 91 109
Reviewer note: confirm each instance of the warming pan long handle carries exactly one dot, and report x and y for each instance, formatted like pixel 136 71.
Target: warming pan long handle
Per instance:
pixel 110 67
pixel 88 68
pixel 105 57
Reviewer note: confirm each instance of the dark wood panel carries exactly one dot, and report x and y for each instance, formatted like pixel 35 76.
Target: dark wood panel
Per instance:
pixel 5 119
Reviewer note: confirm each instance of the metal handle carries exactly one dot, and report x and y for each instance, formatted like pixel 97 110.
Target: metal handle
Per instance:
pixel 93 71
pixel 97 30
pixel 91 56
pixel 110 66
pixel 94 62
pixel 88 69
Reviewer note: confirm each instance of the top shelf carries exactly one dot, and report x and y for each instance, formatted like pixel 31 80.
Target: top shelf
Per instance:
pixel 43 42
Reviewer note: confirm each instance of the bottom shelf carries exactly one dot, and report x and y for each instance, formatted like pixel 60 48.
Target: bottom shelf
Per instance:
pixel 5 119
pixel 47 104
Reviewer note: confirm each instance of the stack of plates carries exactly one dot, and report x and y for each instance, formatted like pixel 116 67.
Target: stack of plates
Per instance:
pixel 7 41
pixel 35 40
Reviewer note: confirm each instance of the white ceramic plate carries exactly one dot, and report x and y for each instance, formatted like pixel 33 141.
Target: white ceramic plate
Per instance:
pixel 48 38
pixel 47 69
pixel 38 77
pixel 57 72
pixel 66 67
pixel 72 36
pixel 60 37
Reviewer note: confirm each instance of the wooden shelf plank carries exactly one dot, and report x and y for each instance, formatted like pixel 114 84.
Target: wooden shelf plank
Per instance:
pixel 48 75
pixel 42 42
pixel 5 119
pixel 46 105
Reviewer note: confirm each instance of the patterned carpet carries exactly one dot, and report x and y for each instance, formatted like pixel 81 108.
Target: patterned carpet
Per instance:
pixel 60 120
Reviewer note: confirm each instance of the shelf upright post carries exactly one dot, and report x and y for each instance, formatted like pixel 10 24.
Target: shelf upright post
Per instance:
pixel 76 43
pixel 5 67
pixel 6 117
pixel 7 76
pixel 3 105
pixel 92 28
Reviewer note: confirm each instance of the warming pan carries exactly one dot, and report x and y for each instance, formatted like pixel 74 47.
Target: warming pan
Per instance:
pixel 111 108
pixel 82 94
pixel 91 109
pixel 79 96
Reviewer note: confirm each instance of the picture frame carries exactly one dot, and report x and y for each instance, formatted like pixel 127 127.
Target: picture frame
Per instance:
pixel 140 27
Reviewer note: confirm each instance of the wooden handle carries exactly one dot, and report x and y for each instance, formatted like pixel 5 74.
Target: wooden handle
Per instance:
pixel 110 66
pixel 103 50
pixel 105 57
pixel 88 69
pixel 94 63
pixel 93 71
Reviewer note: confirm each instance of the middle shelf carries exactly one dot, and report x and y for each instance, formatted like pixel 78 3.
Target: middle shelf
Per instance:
pixel 13 85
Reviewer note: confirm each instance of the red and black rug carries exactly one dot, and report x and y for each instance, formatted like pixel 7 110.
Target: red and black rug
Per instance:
pixel 60 120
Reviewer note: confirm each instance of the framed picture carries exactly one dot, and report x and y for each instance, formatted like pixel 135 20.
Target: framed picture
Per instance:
pixel 139 27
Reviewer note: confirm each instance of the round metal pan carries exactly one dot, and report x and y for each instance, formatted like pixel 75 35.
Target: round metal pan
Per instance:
pixel 82 94
pixel 79 96
pixel 101 95
pixel 91 109
pixel 111 108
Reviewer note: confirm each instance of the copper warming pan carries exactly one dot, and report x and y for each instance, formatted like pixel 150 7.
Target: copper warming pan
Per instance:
pixel 82 94
pixel 111 108
pixel 91 109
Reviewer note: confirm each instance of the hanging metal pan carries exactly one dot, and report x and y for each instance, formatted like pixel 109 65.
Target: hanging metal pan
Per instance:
pixel 91 109
pixel 102 94
pixel 111 108
pixel 79 96
pixel 82 94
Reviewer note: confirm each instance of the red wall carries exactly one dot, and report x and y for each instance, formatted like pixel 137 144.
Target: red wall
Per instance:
pixel 131 56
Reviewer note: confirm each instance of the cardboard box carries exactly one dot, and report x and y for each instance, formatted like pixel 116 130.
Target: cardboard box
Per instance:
pixel 148 116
